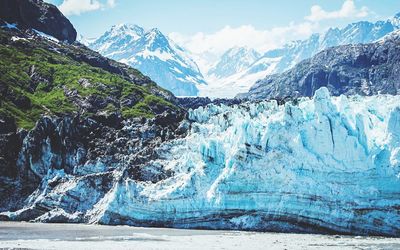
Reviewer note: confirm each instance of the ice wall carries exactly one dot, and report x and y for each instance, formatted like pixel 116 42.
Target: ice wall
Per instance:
pixel 329 164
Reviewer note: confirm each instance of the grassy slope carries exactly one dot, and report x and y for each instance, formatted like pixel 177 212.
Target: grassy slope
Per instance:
pixel 62 72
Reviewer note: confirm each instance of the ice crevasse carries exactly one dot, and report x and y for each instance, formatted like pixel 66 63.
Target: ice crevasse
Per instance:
pixel 327 164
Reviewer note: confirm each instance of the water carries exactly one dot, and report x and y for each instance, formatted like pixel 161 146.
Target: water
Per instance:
pixel 22 235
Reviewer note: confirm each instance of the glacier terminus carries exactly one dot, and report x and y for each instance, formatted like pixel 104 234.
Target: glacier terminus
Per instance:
pixel 322 164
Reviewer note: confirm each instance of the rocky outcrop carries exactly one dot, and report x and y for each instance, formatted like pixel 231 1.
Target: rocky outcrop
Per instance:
pixel 36 14
pixel 196 102
pixel 79 148
pixel 351 69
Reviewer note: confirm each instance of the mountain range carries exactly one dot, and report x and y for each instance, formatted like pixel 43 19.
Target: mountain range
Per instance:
pixel 154 54
pixel 232 61
pixel 281 59
pixel 174 68
pixel 364 69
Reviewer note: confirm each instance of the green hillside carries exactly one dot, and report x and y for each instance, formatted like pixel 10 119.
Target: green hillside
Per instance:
pixel 38 77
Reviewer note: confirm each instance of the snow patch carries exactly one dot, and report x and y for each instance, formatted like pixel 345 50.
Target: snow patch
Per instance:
pixel 46 36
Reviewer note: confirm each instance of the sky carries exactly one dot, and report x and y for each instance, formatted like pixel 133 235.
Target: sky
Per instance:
pixel 212 26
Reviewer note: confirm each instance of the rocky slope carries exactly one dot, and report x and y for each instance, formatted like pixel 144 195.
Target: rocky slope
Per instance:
pixel 364 69
pixel 38 15
pixel 40 75
pixel 326 165
pixel 154 54
pixel 61 103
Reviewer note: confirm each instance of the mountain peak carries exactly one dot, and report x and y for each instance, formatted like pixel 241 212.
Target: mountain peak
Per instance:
pixel 126 26
pixel 126 29
pixel 154 38
pixel 155 30
pixel 396 20
pixel 155 33
pixel 234 60
pixel 238 50
pixel 154 54
pixel 235 51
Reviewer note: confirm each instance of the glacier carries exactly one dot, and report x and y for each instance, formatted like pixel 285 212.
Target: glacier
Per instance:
pixel 320 165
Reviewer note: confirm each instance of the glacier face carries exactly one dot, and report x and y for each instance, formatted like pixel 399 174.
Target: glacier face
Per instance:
pixel 327 164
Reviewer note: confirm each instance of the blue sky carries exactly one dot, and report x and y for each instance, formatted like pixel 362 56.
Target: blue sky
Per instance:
pixel 208 16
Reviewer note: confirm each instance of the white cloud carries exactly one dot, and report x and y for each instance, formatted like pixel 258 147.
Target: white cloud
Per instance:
pixel 348 10
pixel 77 7
pixel 111 3
pixel 207 48
pixel 246 35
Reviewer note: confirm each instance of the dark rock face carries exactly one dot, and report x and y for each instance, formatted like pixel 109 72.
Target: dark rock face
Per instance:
pixel 196 102
pixel 84 149
pixel 38 15
pixel 352 69
pixel 10 144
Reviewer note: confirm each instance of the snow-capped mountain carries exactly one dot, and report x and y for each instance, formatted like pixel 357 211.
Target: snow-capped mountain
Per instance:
pixel 284 58
pixel 228 71
pixel 84 40
pixel 154 54
pixel 116 41
pixel 360 32
pixel 364 69
pixel 241 81
pixel 232 61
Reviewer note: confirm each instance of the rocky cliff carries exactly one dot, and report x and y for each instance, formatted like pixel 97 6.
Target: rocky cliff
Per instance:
pixel 38 15
pixel 63 105
pixel 364 69
pixel 82 148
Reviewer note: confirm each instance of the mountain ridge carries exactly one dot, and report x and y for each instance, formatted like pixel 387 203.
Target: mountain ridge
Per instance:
pixel 232 61
pixel 365 69
pixel 284 58
pixel 38 15
pixel 154 54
